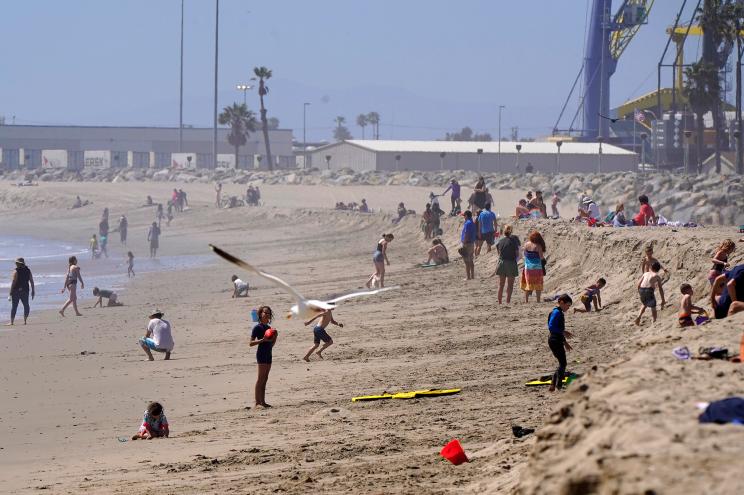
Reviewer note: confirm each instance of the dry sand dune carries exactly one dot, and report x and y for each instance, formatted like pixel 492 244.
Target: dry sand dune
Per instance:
pixel 632 429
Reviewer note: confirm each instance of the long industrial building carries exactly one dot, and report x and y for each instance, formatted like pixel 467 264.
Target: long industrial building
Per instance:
pixel 75 147
pixel 545 157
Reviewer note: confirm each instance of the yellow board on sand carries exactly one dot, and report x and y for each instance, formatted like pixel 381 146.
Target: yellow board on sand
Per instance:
pixel 416 394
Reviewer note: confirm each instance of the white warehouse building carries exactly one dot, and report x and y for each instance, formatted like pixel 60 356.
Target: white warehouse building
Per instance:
pixel 472 155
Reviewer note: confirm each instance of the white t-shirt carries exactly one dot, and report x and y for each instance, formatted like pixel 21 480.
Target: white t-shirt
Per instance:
pixel 161 334
pixel 240 286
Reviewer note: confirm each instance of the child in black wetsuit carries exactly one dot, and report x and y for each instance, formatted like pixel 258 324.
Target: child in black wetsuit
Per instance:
pixel 263 353
pixel 557 340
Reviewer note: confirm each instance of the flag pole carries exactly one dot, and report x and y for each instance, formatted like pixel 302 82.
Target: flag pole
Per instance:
pixel 634 129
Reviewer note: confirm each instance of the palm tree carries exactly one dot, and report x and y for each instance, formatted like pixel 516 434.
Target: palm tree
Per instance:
pixel 702 90
pixel 718 19
pixel 361 121
pixel 263 74
pixel 374 119
pixel 340 120
pixel 241 122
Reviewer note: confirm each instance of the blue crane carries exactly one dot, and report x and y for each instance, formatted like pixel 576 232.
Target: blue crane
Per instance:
pixel 606 41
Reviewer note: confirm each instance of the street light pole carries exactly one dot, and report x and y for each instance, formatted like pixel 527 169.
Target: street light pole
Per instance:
pixel 688 135
pixel 480 153
pixel 441 160
pixel 599 155
pixel 643 151
pixel 304 138
pixel 180 100
pixel 558 157
pixel 216 59
pixel 519 150
pixel 501 107
pixel 244 88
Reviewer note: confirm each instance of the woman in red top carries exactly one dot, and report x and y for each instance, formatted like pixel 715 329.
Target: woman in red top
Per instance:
pixel 646 216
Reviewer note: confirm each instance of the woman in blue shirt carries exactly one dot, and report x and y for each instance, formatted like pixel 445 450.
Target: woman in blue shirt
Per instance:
pixel 557 340
pixel 263 353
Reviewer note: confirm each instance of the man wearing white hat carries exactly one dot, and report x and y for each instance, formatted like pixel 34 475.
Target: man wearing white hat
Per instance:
pixel 158 337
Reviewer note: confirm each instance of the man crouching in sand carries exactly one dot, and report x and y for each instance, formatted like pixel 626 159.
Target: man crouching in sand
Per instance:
pixel 319 333
pixel 158 337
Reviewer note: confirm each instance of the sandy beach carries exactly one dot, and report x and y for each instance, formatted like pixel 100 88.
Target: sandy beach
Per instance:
pixel 72 387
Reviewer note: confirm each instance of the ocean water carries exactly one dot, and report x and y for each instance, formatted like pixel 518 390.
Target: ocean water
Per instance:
pixel 47 260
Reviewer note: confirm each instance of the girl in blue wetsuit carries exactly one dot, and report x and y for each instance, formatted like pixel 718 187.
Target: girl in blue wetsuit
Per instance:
pixel 263 353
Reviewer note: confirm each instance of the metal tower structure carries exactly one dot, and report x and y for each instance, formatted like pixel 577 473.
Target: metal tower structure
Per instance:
pixel 607 38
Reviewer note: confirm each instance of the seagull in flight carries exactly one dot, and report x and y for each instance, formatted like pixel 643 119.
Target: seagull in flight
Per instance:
pixel 305 308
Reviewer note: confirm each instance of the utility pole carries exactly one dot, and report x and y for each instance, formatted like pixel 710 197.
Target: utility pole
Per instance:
pixel 739 148
pixel 304 130
pixel 501 107
pixel 216 59
pixel 180 103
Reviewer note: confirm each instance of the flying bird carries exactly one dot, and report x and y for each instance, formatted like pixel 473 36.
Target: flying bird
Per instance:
pixel 305 308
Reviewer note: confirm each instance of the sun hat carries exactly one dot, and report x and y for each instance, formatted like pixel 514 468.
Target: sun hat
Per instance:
pixel 20 261
pixel 156 314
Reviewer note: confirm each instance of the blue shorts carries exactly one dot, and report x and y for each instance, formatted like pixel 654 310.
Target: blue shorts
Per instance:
pixel 151 345
pixel 320 334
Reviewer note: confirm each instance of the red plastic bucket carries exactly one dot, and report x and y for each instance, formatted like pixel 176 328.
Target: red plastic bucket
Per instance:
pixel 453 452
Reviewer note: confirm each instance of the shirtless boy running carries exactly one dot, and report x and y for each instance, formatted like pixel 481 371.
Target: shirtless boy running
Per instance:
pixel 320 333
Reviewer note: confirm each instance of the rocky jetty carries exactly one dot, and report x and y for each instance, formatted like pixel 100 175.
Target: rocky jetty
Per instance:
pixel 705 199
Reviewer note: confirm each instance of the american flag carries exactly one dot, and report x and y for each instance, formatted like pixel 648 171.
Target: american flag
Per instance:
pixel 638 115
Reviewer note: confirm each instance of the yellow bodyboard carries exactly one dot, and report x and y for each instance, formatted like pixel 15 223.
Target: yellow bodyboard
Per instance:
pixel 408 395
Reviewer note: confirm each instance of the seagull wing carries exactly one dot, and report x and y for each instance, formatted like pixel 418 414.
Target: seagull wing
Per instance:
pixel 247 266
pixel 359 294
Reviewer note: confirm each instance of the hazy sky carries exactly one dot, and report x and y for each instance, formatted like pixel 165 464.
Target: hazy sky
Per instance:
pixel 427 66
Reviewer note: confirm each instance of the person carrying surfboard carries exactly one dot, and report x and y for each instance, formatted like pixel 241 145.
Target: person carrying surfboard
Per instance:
pixel 319 333
pixel 557 340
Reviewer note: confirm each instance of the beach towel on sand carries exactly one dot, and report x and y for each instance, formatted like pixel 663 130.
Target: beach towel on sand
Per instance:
pixel 729 410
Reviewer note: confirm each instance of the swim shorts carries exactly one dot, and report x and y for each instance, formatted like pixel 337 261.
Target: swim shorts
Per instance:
pixel 647 297
pixel 151 345
pixel 686 321
pixel 587 301
pixel 488 238
pixel 320 334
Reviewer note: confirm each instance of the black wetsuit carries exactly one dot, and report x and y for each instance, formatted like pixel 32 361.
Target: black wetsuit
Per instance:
pixel 20 292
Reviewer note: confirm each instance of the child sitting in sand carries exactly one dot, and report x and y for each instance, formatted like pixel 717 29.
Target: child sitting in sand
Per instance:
pixel 522 211
pixel 592 295
pixel 647 284
pixel 686 308
pixel 240 287
pixel 557 339
pixel 130 264
pixel 113 299
pixel 619 219
pixel 437 253
pixel 319 333
pixel 720 259
pixel 154 423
